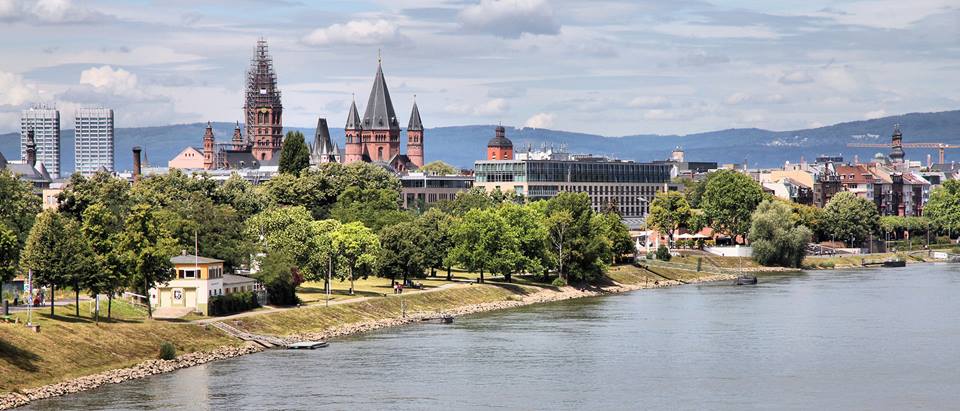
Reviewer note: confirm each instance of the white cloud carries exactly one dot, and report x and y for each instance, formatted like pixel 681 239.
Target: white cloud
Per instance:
pixel 15 91
pixel 510 18
pixel 745 98
pixel 796 77
pixel 119 81
pixel 540 120
pixel 659 114
pixel 649 102
pixel 711 31
pixel 737 98
pixel 356 32
pixel 884 14
pixel 491 107
pixel 870 115
pixel 47 11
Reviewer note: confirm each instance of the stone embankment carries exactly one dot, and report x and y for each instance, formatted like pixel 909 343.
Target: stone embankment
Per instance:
pixel 144 369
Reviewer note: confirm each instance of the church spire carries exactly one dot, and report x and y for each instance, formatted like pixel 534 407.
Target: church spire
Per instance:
pixel 415 124
pixel 353 118
pixel 379 113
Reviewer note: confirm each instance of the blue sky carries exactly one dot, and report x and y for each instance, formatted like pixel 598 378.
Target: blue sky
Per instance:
pixel 608 67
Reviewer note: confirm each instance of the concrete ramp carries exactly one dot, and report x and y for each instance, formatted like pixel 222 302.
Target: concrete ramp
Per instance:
pixel 171 313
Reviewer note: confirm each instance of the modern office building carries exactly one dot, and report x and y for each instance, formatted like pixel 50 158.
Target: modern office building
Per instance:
pixel 627 185
pixel 419 190
pixel 94 140
pixel 45 123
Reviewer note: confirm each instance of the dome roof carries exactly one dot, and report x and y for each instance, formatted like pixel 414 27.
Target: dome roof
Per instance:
pixel 500 140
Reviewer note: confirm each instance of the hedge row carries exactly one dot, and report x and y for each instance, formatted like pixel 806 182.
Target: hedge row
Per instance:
pixel 233 303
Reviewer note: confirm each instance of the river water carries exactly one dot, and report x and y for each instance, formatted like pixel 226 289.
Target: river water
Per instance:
pixel 867 339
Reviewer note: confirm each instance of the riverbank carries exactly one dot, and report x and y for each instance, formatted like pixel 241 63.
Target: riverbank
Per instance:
pixel 43 352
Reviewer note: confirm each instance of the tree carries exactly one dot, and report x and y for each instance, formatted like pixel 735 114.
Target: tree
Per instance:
pixel 9 250
pixel 163 190
pixel 146 249
pixel 435 226
pixel 401 254
pixel 484 242
pixel 438 168
pixel 775 238
pixel 287 230
pixel 280 276
pixel 728 200
pixel 616 233
pixel 102 228
pixel 57 253
pixel 584 248
pixel 216 230
pixel 19 206
pixel 242 196
pixel 320 265
pixel 357 248
pixel 669 211
pixel 943 208
pixel 374 207
pixel 472 199
pixel 526 224
pixel 851 218
pixel 101 188
pixel 294 155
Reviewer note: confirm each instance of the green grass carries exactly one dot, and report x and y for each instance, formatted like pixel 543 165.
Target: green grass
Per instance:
pixel 318 318
pixel 849 261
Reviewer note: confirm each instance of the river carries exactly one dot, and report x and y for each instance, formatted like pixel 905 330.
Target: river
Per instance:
pixel 860 339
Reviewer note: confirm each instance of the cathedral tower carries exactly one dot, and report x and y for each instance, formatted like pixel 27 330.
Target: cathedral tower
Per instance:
pixel 415 137
pixel 353 148
pixel 381 130
pixel 208 143
pixel 264 125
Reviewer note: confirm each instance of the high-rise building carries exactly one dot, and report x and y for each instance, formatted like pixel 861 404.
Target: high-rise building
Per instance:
pixel 45 123
pixel 94 140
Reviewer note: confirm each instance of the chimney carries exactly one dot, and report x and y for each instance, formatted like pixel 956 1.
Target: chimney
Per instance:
pixel 136 164
pixel 31 150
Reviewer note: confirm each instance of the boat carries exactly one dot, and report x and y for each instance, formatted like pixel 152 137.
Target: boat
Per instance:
pixel 307 345
pixel 745 280
pixel 895 263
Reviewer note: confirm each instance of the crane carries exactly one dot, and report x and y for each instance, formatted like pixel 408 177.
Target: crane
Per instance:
pixel 939 146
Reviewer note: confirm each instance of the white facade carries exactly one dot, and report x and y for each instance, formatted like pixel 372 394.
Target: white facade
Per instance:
pixel 45 123
pixel 94 140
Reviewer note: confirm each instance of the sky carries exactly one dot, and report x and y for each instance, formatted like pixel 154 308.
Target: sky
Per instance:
pixel 607 67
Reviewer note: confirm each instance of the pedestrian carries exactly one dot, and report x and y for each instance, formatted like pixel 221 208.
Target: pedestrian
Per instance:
pixel 401 288
pixel 16 300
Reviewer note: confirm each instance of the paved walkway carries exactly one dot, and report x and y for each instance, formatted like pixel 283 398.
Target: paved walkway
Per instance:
pixel 170 313
pixel 271 309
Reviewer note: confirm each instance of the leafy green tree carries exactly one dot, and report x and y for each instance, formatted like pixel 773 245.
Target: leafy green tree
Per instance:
pixel 850 218
pixel 775 238
pixel 318 188
pixel 294 155
pixel 242 196
pixel 584 249
pixel 401 252
pixel 375 208
pixel 146 249
pixel 357 248
pixel 943 208
pixel 526 224
pixel 163 190
pixel 101 188
pixel 729 199
pixel 288 230
pixel 439 168
pixel 669 211
pixel 57 253
pixel 435 226
pixel 616 233
pixel 102 229
pixel 484 242
pixel 472 199
pixel 321 260
pixel 809 216
pixel 280 276
pixel 19 206
pixel 216 230
pixel 9 251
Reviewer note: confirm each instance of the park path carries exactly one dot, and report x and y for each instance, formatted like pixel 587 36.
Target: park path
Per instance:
pixel 271 309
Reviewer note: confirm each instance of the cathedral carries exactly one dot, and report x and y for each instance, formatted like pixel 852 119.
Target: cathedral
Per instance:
pixel 375 137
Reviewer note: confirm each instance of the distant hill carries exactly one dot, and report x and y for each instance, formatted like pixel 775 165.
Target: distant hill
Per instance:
pixel 462 145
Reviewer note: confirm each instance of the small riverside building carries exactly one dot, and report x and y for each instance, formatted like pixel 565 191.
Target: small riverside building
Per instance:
pixel 196 280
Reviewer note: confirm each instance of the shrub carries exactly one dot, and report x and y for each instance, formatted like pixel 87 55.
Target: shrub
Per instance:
pixel 167 351
pixel 232 303
pixel 663 253
pixel 827 264
pixel 558 282
pixel 651 255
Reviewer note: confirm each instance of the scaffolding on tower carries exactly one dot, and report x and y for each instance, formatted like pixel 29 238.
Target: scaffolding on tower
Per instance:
pixel 261 87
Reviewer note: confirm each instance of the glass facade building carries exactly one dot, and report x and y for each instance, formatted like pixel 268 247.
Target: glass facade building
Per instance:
pixel 45 123
pixel 94 142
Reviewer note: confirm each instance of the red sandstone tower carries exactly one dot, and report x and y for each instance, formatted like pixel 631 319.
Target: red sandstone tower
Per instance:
pixel 353 148
pixel 208 143
pixel 263 109
pixel 381 130
pixel 500 147
pixel 415 137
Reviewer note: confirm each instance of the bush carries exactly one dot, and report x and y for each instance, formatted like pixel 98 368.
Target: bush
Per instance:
pixel 558 282
pixel 663 253
pixel 232 303
pixel 827 264
pixel 651 255
pixel 167 351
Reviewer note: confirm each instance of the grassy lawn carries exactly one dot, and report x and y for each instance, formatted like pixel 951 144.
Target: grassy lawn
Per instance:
pixel 318 318
pixel 848 261
pixel 630 274
pixel 68 347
